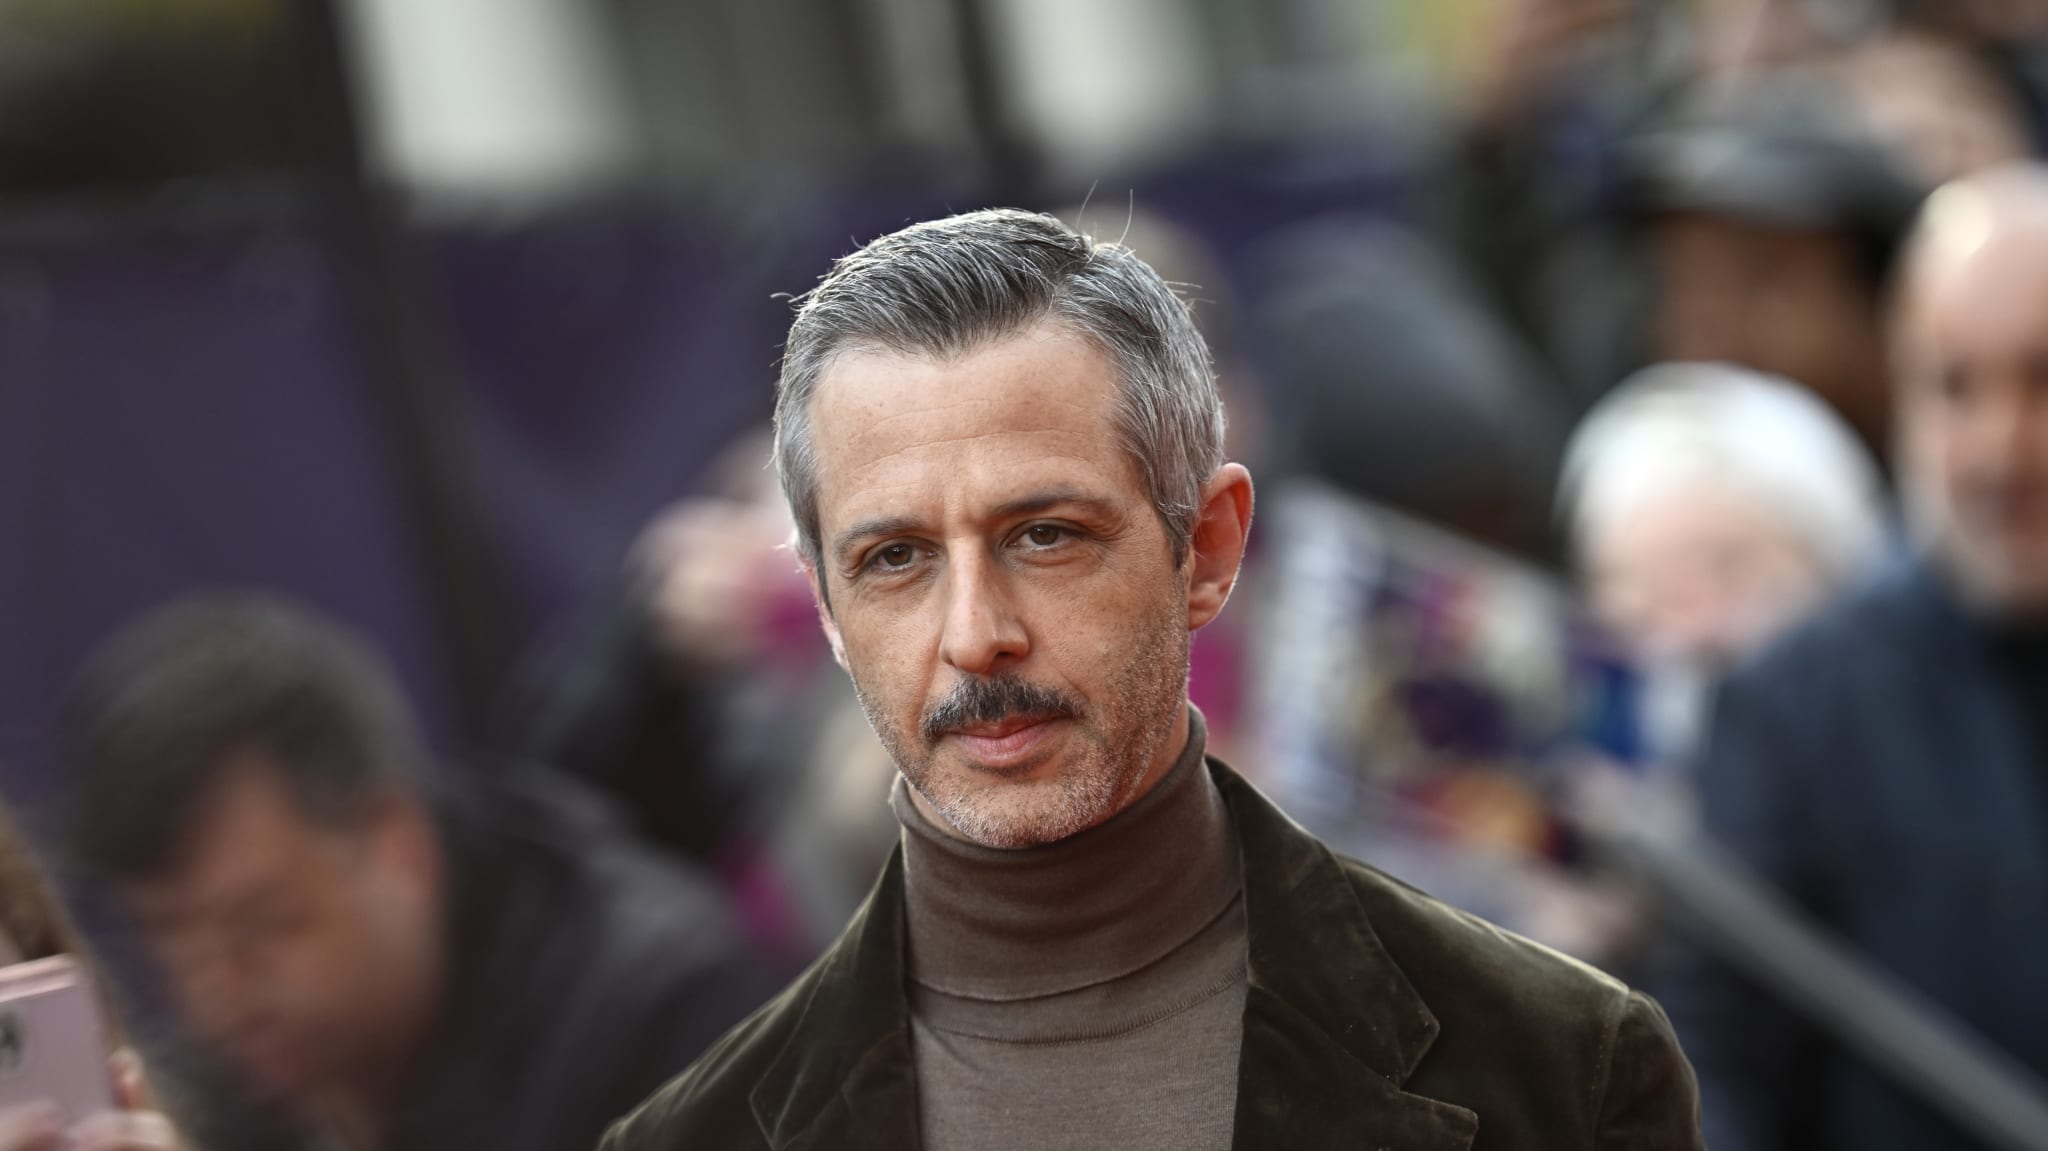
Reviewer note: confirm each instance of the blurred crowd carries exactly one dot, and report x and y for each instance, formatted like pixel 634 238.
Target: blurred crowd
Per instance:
pixel 1669 456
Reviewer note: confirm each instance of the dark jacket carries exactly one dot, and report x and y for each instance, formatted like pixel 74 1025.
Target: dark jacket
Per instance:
pixel 1875 767
pixel 1376 1018
pixel 604 703
pixel 584 973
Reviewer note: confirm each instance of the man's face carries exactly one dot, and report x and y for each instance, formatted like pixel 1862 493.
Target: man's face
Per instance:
pixel 1001 588
pixel 1973 394
pixel 308 953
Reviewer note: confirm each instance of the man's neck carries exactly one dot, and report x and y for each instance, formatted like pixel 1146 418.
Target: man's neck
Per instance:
pixel 1010 924
pixel 1171 752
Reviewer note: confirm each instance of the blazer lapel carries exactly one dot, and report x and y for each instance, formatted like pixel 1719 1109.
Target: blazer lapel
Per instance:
pixel 845 1081
pixel 1332 1028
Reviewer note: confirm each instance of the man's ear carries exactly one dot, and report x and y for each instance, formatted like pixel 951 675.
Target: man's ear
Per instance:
pixel 825 620
pixel 1217 547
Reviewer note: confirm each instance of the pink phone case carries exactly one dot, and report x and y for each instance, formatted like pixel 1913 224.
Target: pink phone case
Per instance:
pixel 53 1046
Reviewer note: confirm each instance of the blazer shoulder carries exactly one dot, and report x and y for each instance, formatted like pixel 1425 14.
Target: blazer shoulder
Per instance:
pixel 1584 1052
pixel 1895 609
pixel 709 1103
pixel 1457 959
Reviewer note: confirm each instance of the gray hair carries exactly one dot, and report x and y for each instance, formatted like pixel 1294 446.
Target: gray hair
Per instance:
pixel 945 287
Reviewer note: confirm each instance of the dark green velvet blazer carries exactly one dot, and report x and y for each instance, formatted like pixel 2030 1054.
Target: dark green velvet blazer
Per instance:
pixel 1376 1018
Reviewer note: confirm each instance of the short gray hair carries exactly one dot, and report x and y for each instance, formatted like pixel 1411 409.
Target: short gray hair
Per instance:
pixel 945 287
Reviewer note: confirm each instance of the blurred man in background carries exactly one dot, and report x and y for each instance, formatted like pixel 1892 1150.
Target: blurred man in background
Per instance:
pixel 1774 213
pixel 1710 508
pixel 403 965
pixel 1884 766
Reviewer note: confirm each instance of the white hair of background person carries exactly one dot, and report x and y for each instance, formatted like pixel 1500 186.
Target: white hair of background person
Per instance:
pixel 1686 426
pixel 1677 429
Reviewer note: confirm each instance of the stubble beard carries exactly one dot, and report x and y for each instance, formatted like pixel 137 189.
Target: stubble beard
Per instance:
pixel 1119 738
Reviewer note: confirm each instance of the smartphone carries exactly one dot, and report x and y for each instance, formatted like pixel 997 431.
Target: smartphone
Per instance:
pixel 53 1045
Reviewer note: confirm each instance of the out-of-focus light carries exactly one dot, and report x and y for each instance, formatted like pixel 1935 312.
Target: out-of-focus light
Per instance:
pixel 491 99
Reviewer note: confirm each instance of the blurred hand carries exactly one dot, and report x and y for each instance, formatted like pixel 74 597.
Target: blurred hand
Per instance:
pixel 40 1127
pixel 137 1126
pixel 131 1086
pixel 124 1131
pixel 32 1127
pixel 715 567
pixel 134 1127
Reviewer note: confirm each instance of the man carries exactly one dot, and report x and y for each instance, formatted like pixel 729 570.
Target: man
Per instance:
pixel 400 966
pixel 1002 448
pixel 1883 766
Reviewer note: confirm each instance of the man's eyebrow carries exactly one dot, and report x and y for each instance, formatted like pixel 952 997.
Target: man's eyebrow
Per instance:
pixel 1050 498
pixel 868 529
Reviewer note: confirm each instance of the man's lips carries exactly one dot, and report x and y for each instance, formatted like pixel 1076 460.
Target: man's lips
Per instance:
pixel 1007 742
pixel 267 1059
pixel 2008 519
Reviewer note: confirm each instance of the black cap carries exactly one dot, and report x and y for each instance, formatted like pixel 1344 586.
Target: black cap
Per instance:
pixel 1783 150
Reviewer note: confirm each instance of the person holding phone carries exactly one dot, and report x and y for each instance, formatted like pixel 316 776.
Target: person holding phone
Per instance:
pixel 388 952
pixel 34 926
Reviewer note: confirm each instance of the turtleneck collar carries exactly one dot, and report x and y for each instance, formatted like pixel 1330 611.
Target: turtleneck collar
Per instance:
pixel 995 924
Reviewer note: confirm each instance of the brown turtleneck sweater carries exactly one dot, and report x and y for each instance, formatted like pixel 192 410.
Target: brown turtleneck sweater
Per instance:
pixel 1084 994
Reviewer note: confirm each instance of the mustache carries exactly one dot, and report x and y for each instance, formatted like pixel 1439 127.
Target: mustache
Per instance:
pixel 992 700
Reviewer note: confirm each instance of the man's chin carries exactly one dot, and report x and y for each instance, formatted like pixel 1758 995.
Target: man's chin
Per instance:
pixel 2011 583
pixel 273 1076
pixel 1008 811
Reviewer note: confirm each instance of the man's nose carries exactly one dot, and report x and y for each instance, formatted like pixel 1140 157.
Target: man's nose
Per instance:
pixel 2005 433
pixel 210 984
pixel 984 633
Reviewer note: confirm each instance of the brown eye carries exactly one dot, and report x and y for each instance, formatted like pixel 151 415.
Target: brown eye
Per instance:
pixel 1044 535
pixel 896 556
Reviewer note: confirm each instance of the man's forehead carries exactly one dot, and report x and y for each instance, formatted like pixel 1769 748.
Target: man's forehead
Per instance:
pixel 1975 241
pixel 1045 359
pixel 1991 301
pixel 202 884
pixel 1042 393
pixel 242 828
